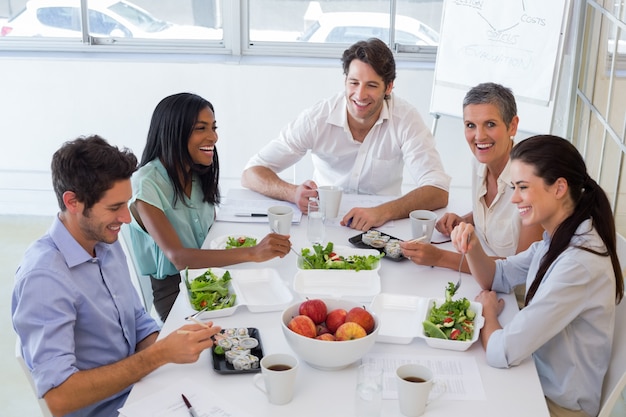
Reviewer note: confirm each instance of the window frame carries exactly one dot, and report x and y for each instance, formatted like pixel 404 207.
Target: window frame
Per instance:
pixel 235 44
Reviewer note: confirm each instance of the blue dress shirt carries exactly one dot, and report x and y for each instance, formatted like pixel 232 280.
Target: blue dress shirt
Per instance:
pixel 75 312
pixel 568 325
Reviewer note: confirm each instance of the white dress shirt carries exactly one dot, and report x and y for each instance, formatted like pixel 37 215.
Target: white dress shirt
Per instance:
pixel 568 326
pixel 497 226
pixel 398 138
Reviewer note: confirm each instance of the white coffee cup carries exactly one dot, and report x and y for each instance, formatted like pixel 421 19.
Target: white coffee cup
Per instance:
pixel 330 200
pixel 277 377
pixel 423 224
pixel 414 385
pixel 280 218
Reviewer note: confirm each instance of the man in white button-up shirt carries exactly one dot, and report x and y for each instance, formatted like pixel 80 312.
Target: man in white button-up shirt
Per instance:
pixel 359 140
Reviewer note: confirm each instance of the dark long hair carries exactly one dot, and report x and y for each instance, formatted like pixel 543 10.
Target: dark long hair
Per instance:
pixel 172 123
pixel 552 158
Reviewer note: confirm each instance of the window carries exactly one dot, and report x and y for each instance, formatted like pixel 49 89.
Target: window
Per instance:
pixel 331 24
pixel 238 27
pixel 598 126
pixel 41 19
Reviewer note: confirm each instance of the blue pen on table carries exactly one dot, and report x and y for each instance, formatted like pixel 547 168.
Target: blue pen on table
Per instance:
pixel 192 412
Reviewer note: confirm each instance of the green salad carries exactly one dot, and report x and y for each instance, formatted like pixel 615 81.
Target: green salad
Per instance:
pixel 240 242
pixel 209 291
pixel 451 320
pixel 324 258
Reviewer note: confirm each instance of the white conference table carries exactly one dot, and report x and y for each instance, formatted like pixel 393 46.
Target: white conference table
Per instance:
pixel 512 392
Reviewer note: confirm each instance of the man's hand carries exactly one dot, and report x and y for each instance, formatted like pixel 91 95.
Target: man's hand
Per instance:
pixel 364 219
pixel 187 343
pixel 303 191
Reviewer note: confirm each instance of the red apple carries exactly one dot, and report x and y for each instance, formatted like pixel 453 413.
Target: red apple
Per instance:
pixel 302 325
pixel 315 309
pixel 361 316
pixel 322 329
pixel 326 336
pixel 350 331
pixel 336 318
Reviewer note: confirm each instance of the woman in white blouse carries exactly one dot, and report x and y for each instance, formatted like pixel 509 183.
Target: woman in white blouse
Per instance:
pixel 490 119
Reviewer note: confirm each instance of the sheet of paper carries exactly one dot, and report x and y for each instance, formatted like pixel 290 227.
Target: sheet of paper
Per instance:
pixel 241 202
pixel 169 402
pixel 459 376
pixel 239 211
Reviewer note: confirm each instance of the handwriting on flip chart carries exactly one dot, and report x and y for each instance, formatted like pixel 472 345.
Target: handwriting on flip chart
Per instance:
pixel 514 42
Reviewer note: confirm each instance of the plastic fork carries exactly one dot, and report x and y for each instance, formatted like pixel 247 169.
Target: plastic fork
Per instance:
pixel 458 283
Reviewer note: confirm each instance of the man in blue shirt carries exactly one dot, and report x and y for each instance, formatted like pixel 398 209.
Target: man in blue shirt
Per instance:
pixel 85 335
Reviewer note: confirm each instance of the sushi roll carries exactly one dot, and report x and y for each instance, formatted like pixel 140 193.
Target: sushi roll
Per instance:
pixel 225 344
pixel 369 236
pixel 230 332
pixel 242 363
pixel 240 350
pixel 231 355
pixel 392 248
pixel 254 361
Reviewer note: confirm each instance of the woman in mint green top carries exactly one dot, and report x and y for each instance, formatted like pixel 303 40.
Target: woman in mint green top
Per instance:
pixel 175 194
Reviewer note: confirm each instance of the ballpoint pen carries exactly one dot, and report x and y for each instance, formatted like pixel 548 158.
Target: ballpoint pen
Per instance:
pixel 250 214
pixel 192 412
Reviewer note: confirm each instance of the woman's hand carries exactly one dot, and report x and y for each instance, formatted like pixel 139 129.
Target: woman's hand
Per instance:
pixel 421 253
pixel 463 237
pixel 447 223
pixel 492 305
pixel 271 246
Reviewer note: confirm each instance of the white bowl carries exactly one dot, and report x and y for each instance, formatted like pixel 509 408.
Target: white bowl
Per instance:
pixel 323 354
pixel 459 345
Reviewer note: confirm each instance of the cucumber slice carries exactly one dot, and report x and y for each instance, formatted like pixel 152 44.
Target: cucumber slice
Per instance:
pixel 433 331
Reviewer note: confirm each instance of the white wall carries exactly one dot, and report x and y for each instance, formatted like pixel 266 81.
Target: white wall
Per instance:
pixel 46 101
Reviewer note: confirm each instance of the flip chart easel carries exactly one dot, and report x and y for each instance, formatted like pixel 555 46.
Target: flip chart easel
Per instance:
pixel 516 43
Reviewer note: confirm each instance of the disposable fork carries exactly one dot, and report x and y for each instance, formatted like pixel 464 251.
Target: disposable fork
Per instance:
pixel 458 284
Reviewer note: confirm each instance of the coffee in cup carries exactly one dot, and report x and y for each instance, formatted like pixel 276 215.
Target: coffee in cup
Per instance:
pixel 277 377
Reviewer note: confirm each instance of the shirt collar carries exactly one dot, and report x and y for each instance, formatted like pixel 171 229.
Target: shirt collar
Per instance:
pixel 504 180
pixel 73 253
